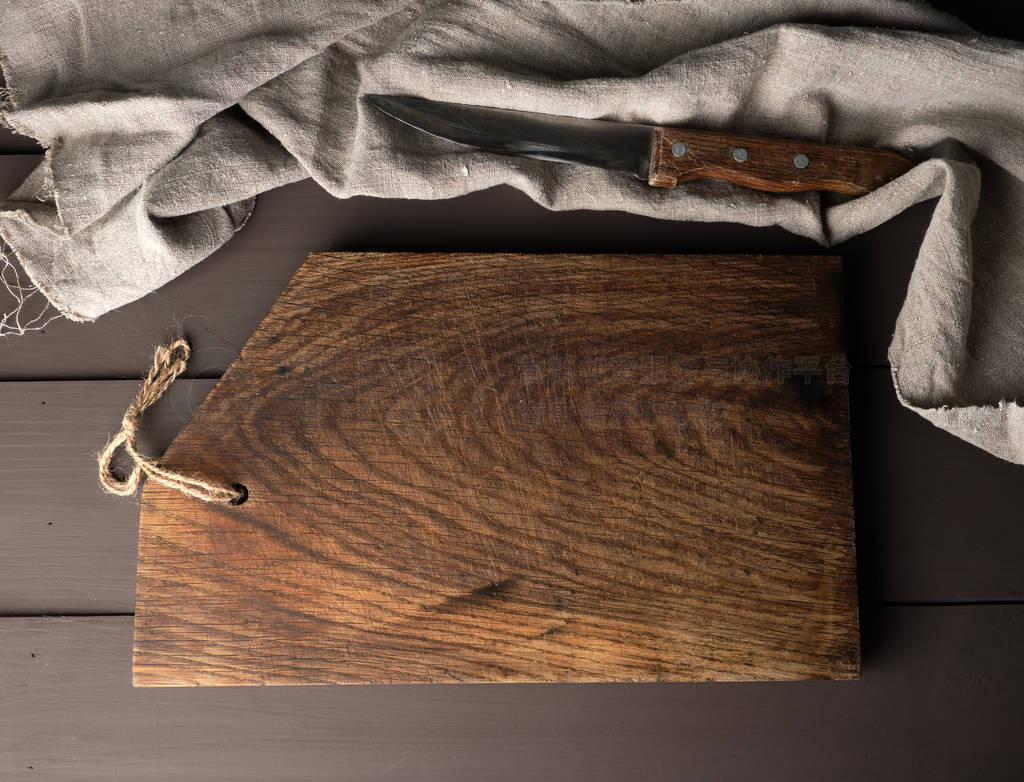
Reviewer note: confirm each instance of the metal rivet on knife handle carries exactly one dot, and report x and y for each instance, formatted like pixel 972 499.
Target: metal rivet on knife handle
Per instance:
pixel 769 164
pixel 662 157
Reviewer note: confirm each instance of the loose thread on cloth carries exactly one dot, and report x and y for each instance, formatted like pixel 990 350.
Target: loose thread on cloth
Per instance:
pixel 32 311
pixel 169 361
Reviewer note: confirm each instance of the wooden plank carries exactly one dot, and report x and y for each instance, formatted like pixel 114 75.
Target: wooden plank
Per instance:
pixel 12 143
pixel 221 301
pixel 937 519
pixel 502 467
pixel 14 169
pixel 65 547
pixel 940 698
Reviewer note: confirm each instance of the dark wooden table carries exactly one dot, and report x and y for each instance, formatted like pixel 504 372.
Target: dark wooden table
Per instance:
pixel 940 531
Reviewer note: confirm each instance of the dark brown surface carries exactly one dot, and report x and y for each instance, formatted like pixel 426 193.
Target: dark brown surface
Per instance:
pixel 769 164
pixel 941 699
pixel 938 522
pixel 488 467
pixel 66 548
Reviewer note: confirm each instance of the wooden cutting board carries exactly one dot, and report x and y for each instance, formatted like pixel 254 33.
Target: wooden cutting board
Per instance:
pixel 483 468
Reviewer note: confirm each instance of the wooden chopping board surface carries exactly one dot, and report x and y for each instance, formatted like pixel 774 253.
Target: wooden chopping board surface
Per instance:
pixel 483 468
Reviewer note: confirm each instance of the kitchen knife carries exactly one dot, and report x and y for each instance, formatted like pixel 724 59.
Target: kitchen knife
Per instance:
pixel 660 156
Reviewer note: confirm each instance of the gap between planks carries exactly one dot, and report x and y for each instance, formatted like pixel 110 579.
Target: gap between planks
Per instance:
pixel 862 604
pixel 939 699
pixel 67 548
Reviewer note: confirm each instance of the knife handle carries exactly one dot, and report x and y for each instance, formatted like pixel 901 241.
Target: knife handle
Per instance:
pixel 774 165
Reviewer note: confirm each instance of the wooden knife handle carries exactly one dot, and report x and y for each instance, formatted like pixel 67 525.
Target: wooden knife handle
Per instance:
pixel 769 164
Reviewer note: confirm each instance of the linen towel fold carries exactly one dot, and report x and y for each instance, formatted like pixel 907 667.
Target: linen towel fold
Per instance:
pixel 164 120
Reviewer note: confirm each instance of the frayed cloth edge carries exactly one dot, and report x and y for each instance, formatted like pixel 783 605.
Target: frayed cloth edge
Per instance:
pixel 1009 449
pixel 27 268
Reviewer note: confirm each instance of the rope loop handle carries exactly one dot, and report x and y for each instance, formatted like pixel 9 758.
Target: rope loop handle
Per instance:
pixel 169 361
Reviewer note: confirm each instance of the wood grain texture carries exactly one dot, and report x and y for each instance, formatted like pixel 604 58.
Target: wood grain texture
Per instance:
pixel 220 301
pixel 940 699
pixel 514 468
pixel 68 548
pixel 65 547
pixel 940 694
pixel 769 164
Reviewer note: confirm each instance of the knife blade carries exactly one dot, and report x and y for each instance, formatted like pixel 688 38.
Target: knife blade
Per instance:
pixel 660 156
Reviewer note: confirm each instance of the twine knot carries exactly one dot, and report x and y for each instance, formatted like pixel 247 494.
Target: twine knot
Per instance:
pixel 169 361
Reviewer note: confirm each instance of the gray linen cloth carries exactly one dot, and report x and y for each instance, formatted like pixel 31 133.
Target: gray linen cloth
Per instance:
pixel 163 120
